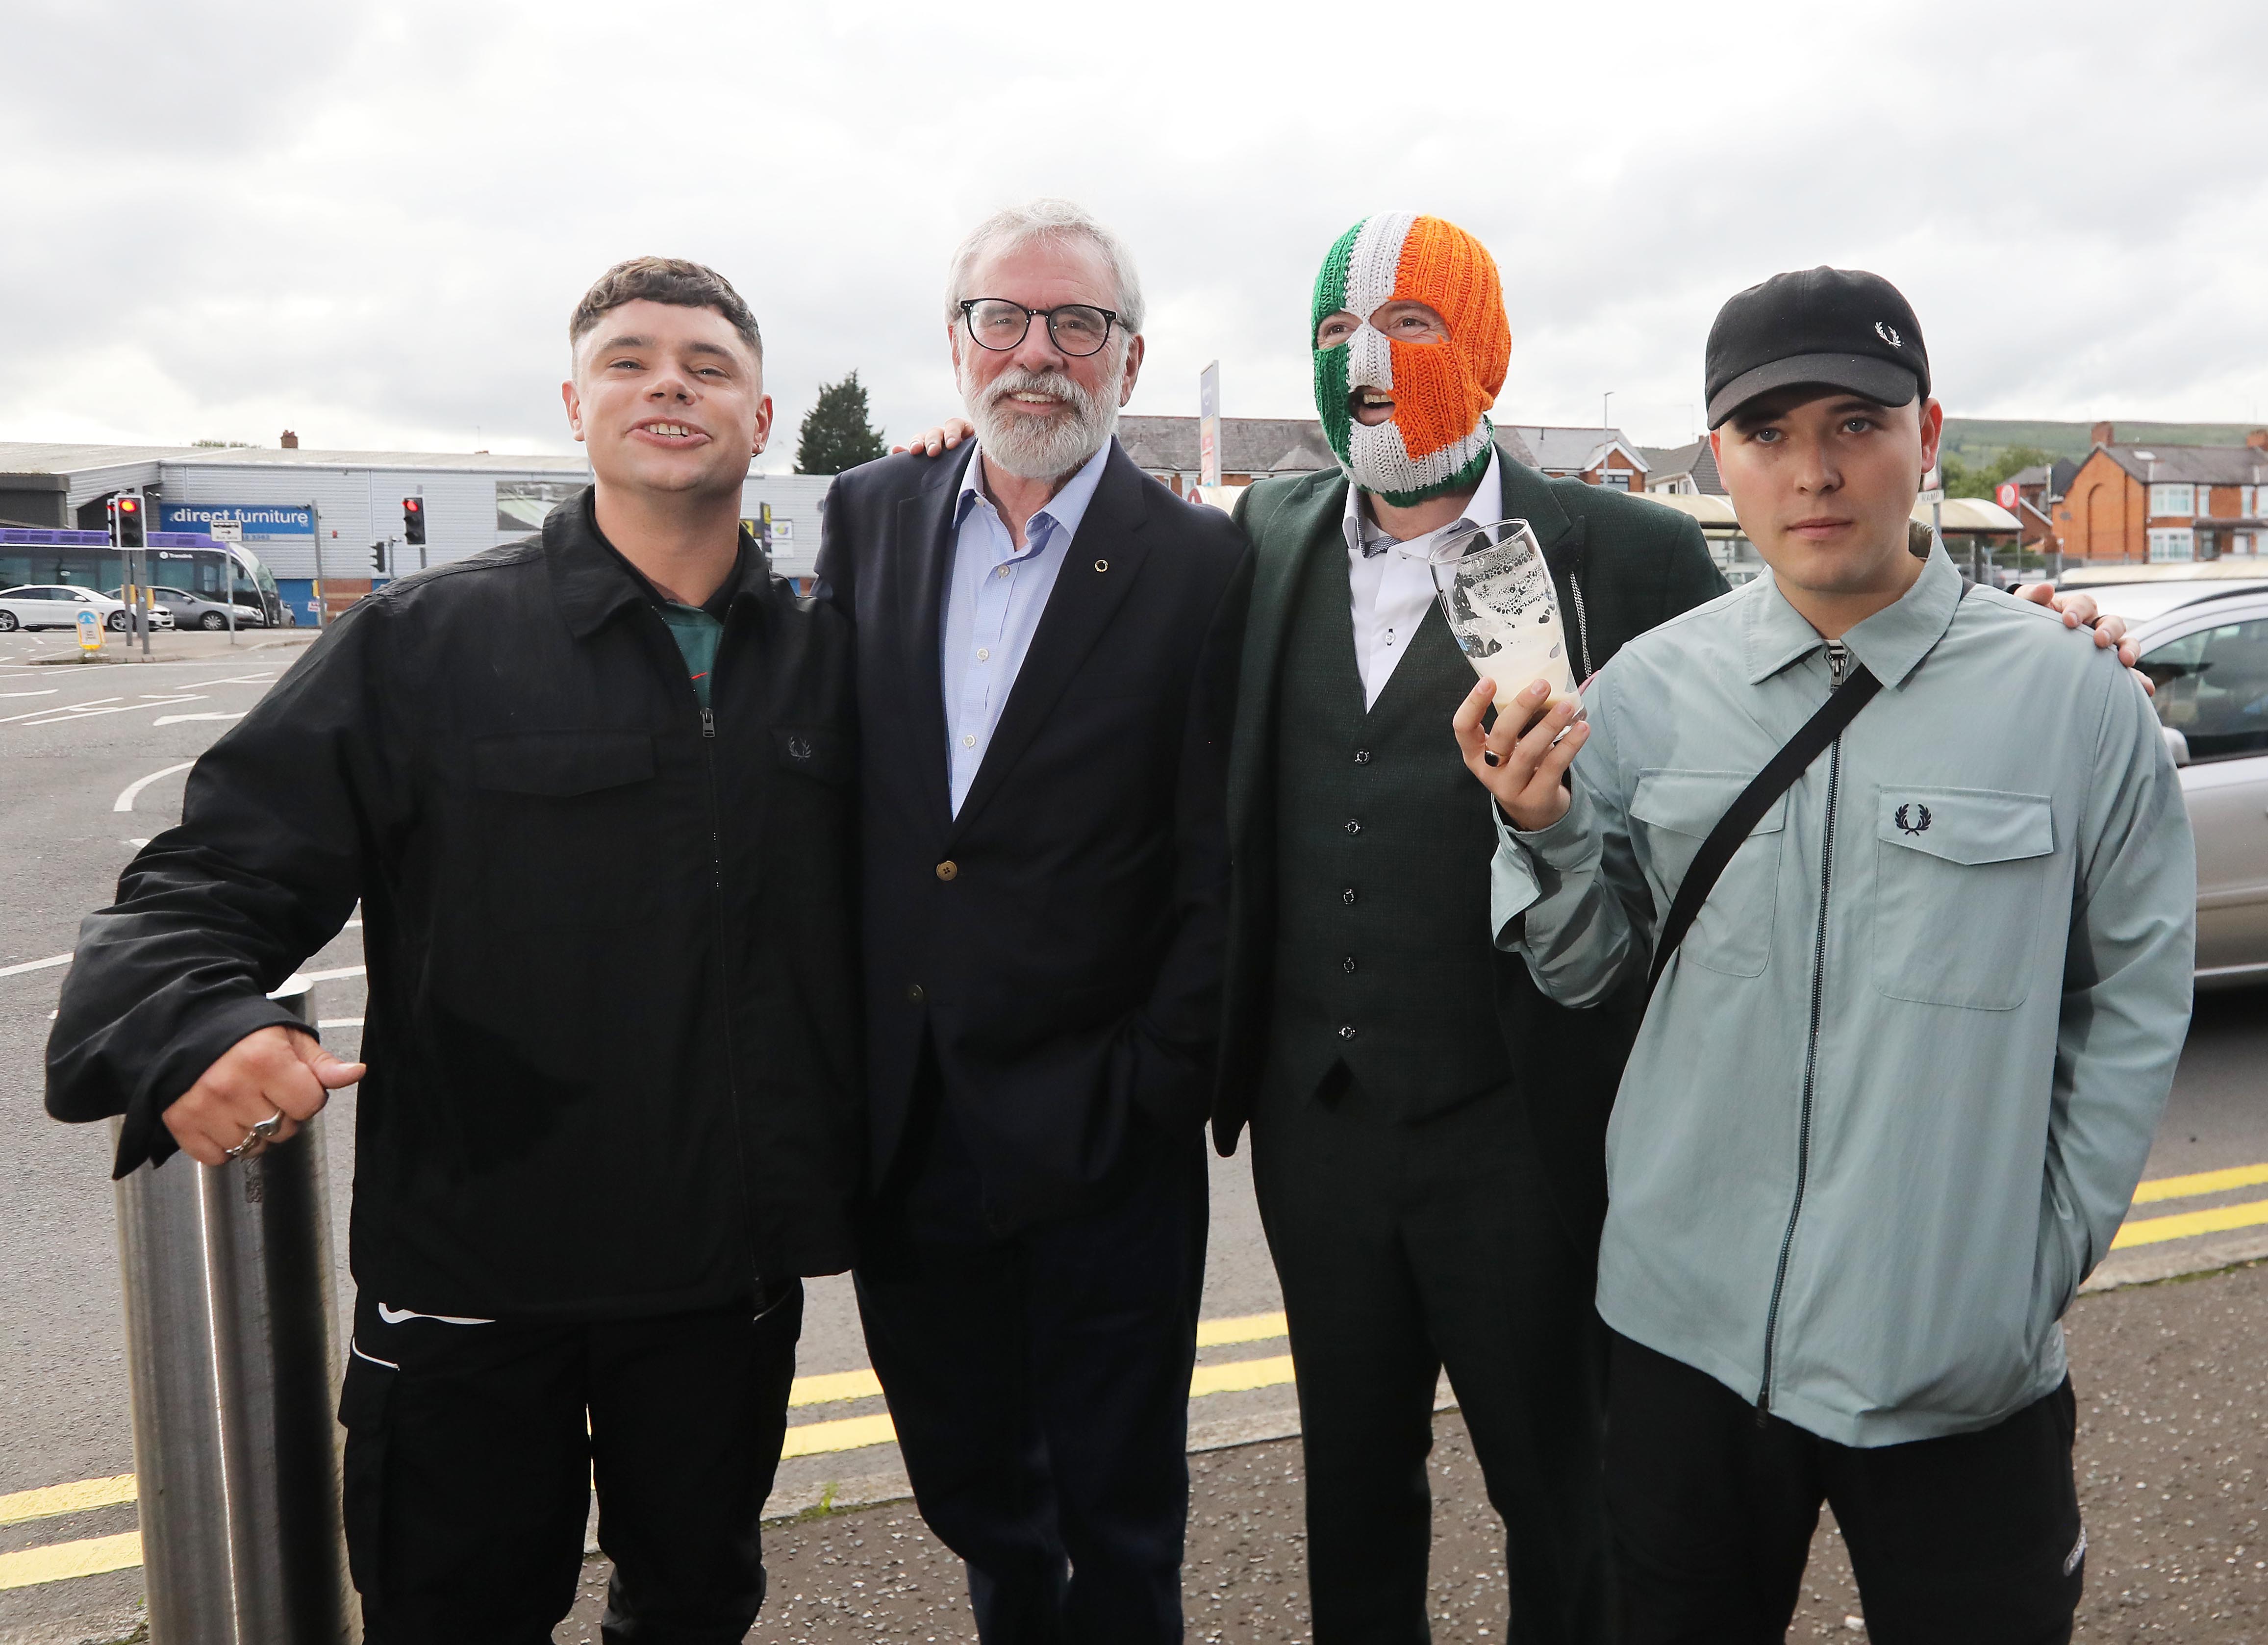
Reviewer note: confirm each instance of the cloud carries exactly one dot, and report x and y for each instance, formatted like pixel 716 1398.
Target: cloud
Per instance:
pixel 369 222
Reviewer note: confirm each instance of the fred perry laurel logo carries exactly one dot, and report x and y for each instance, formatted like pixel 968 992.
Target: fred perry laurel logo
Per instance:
pixel 1912 819
pixel 1889 334
pixel 800 749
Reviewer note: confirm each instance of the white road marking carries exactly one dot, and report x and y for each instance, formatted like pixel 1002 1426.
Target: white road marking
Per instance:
pixel 175 720
pixel 33 713
pixel 132 791
pixel 137 844
pixel 50 692
pixel 340 1023
pixel 36 965
pixel 59 716
pixel 321 976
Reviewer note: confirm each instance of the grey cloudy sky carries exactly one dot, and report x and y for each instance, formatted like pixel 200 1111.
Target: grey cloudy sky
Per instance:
pixel 367 222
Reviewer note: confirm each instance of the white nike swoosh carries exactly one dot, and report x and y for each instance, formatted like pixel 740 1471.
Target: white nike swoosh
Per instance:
pixel 395 1315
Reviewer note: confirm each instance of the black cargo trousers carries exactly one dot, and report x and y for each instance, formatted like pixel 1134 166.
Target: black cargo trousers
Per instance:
pixel 1971 1539
pixel 472 1447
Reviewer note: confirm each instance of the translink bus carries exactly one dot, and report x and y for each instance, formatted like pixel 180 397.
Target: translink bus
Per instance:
pixel 185 560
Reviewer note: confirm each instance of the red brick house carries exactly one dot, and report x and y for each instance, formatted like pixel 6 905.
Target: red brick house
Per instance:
pixel 2160 503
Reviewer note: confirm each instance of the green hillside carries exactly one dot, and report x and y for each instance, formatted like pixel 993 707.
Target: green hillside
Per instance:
pixel 1978 441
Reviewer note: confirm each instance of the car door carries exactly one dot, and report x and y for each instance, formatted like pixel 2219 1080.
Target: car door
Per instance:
pixel 2212 676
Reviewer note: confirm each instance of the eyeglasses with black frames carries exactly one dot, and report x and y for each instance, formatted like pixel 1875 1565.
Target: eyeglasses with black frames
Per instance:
pixel 1077 329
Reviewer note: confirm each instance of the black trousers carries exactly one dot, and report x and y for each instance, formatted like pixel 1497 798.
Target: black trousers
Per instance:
pixel 472 1447
pixel 1974 1537
pixel 1040 1384
pixel 1404 1248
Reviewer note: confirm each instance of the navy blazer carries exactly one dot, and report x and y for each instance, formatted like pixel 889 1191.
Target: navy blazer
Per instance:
pixel 1059 942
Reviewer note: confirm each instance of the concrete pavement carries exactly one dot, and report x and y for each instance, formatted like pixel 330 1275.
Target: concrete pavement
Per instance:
pixel 2173 1470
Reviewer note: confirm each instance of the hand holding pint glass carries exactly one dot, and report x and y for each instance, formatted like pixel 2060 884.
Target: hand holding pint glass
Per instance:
pixel 1496 592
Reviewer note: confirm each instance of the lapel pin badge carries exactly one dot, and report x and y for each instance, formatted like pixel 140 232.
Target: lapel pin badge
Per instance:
pixel 1103 565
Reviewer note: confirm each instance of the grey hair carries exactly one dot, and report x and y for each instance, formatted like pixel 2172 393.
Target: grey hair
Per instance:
pixel 1044 219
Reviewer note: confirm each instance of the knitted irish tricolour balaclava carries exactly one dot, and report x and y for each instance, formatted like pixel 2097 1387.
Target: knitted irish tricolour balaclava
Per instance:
pixel 1439 436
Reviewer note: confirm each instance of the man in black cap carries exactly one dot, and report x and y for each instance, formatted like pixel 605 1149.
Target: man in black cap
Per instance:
pixel 1920 970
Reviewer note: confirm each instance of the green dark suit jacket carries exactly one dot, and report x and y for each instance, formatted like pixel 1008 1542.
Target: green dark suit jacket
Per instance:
pixel 1621 565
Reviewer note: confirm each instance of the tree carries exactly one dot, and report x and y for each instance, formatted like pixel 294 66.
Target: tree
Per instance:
pixel 836 434
pixel 1982 479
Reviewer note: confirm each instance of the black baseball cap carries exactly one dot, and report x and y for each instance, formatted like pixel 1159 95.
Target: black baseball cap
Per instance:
pixel 1840 328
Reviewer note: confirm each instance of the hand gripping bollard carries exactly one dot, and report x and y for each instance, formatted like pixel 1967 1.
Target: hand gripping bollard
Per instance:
pixel 232 1348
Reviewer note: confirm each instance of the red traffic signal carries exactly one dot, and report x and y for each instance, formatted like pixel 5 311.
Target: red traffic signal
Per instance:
pixel 413 521
pixel 127 527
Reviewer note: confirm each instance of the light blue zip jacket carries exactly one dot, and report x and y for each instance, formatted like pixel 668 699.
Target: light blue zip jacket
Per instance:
pixel 1891 1099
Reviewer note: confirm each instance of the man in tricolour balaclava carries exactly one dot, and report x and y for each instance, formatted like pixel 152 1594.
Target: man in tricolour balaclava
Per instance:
pixel 1427 1130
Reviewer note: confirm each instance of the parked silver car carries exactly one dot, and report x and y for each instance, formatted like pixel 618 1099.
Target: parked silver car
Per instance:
pixel 196 611
pixel 2208 656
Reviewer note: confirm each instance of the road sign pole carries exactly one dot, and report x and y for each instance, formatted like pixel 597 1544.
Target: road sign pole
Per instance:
pixel 142 593
pixel 322 606
pixel 232 1361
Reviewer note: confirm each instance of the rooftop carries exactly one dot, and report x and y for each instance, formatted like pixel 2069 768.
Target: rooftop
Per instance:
pixel 2210 465
pixel 1570 450
pixel 1699 459
pixel 1248 445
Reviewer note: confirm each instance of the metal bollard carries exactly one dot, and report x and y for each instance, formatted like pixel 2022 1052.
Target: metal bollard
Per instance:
pixel 231 1340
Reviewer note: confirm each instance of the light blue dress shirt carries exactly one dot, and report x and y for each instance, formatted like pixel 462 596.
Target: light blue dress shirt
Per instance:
pixel 993 600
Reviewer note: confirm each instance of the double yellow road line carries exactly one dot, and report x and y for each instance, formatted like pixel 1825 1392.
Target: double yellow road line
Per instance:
pixel 93 1555
pixel 2186 1224
pixel 813 1439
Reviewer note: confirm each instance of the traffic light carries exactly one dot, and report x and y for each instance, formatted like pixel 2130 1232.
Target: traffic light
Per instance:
pixel 413 521
pixel 378 558
pixel 127 530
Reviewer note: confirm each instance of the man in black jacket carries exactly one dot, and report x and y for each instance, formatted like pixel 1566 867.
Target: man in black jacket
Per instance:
pixel 593 791
pixel 1047 655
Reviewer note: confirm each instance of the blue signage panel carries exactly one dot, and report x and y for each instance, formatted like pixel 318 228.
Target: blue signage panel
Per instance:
pixel 258 520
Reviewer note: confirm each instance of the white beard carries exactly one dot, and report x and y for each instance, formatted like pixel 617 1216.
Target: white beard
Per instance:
pixel 1038 448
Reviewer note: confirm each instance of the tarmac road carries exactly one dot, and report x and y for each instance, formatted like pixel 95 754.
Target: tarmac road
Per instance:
pixel 75 740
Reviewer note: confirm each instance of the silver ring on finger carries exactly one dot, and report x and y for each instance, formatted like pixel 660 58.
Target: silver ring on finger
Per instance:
pixel 266 1130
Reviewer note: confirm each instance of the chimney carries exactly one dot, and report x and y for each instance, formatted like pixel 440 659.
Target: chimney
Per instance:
pixel 291 441
pixel 2102 435
pixel 2258 439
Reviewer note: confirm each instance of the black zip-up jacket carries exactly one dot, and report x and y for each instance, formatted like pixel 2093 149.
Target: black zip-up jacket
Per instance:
pixel 613 1023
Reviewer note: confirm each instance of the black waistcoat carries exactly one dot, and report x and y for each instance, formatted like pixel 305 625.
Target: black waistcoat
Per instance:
pixel 1383 844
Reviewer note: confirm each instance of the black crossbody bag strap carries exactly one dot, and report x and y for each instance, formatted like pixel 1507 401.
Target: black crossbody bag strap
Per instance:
pixel 1840 709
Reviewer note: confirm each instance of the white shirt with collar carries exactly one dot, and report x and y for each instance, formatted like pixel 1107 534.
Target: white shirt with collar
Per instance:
pixel 1391 582
pixel 994 597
